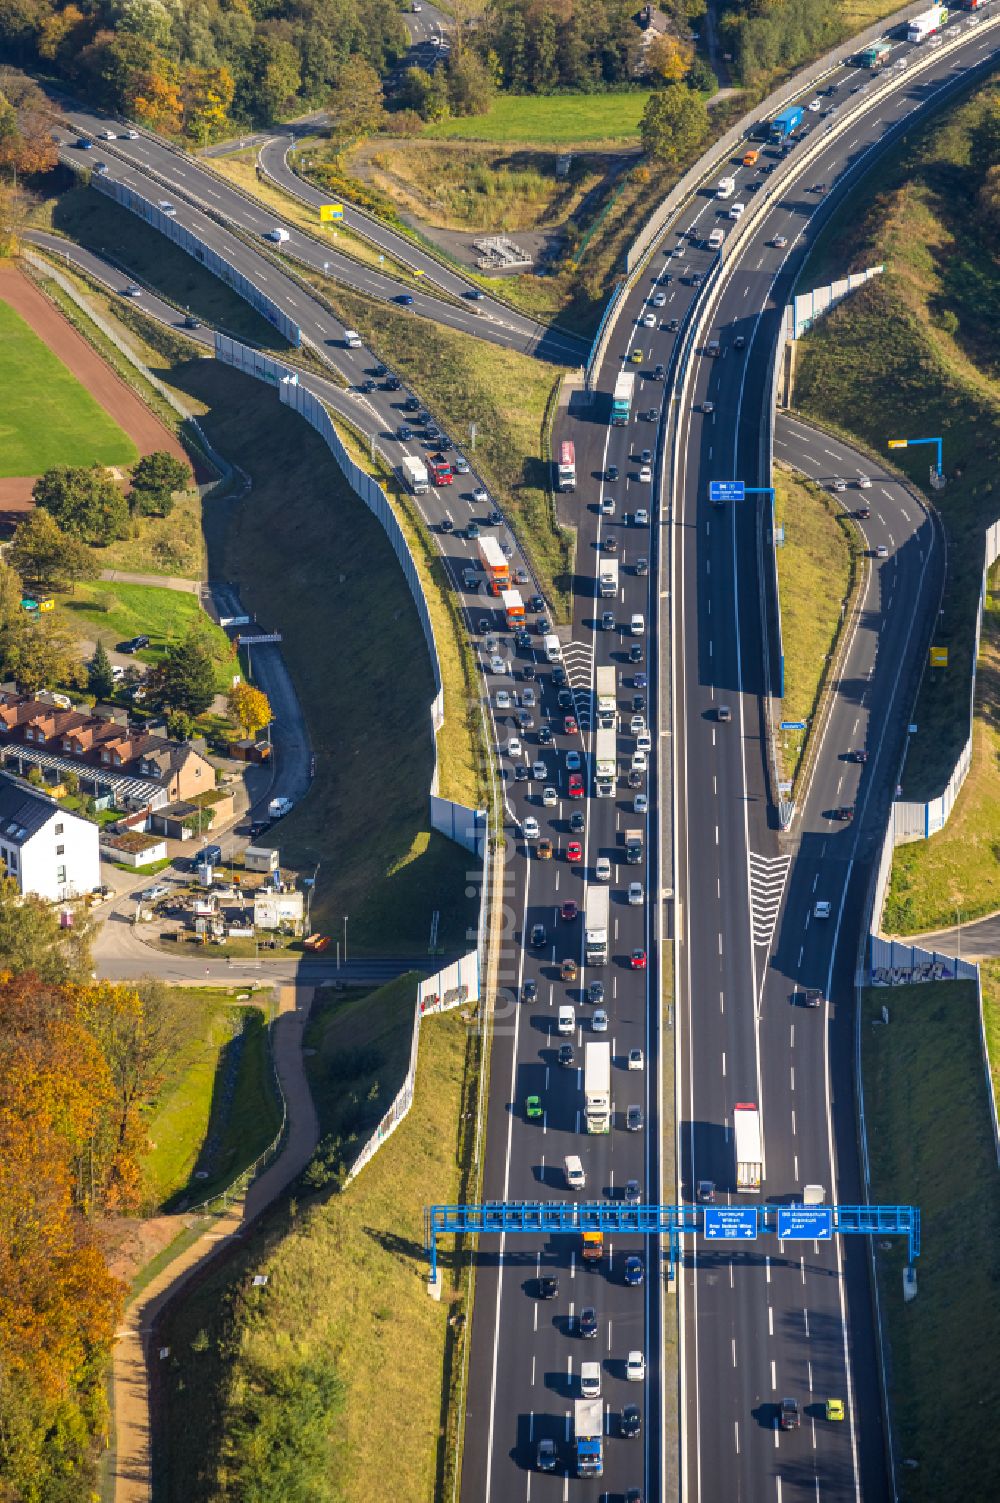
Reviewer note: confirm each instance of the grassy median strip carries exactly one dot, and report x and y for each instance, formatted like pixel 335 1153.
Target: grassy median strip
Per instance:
pixel 505 394
pixel 814 579
pixel 326 1382
pixel 931 1144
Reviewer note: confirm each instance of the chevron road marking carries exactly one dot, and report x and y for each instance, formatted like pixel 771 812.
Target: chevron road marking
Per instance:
pixel 768 875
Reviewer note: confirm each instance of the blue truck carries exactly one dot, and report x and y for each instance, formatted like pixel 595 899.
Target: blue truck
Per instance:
pixel 589 1434
pixel 789 120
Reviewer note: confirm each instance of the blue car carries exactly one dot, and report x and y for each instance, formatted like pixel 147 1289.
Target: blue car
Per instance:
pixel 634 1271
pixel 405 299
pixel 85 144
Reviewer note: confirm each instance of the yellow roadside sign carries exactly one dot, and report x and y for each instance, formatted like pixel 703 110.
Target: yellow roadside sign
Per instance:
pixel 330 211
pixel 939 657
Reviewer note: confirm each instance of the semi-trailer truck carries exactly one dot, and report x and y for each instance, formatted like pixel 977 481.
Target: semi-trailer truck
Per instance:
pixel 596 908
pixel 746 1143
pixel 607 580
pixel 597 1085
pixel 875 56
pixel 494 562
pixel 621 402
pixel 414 473
pixel 513 609
pixel 927 23
pixel 784 123
pixel 566 468
pixel 605 761
pixel 607 696
pixel 588 1429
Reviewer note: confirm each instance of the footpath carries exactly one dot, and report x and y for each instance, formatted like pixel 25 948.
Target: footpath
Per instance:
pixel 134 1353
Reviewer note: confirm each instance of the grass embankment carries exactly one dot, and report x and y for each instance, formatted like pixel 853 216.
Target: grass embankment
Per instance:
pixel 314 564
pixel 814 576
pixel 48 417
pixel 110 612
pixel 464 380
pixel 86 216
pixel 333 1371
pixel 556 119
pixel 931 1144
pixel 217 1108
pixel 914 353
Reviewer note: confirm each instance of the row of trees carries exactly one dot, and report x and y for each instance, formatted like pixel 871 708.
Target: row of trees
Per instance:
pixel 764 35
pixel 194 66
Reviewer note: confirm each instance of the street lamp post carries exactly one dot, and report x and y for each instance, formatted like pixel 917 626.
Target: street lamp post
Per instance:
pixel 345 938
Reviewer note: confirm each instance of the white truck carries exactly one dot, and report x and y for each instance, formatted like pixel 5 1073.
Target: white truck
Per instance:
pixel 607 579
pixel 414 473
pixel 607 697
pixel 596 908
pixel 927 23
pixel 588 1433
pixel 597 1086
pixel 746 1142
pixel 726 188
pixel 605 761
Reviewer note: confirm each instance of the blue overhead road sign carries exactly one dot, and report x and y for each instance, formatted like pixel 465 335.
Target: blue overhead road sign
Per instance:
pixel 726 490
pixel 808 1223
pixel 731 1223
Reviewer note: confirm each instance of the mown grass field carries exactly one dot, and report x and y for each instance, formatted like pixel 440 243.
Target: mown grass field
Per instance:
pixel 110 613
pixel 217 1108
pixel 560 119
pixel 314 563
pixel 931 1143
pixel 331 1376
pixel 47 417
pixel 814 572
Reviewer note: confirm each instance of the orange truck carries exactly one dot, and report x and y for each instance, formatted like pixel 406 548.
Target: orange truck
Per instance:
pixel 494 562
pixel 593 1247
pixel 514 609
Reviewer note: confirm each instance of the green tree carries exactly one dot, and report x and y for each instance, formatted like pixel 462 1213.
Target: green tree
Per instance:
pixel 674 123
pixel 86 503
pixel 102 681
pixel 185 680
pixel 46 557
pixel 154 480
pixel 276 75
pixel 40 653
pixel 470 84
pixel 356 103
pixel 984 139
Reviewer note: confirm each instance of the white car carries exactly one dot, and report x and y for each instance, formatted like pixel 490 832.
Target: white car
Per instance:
pixel 639 762
pixel 839 485
pixel 498 665
pixel 528 697
pixel 531 828
pixel 607 506
pixel 779 242
pixel 637 624
pixel 814 106
pixel 645 473
pixel 863 483
pixel 635 1059
pixel 108 135
pixel 131 135
pixel 637 724
pixel 503 699
pixel 513 747
pixel 660 300
pixel 602 869
pixel 736 211
pixel 549 797
pixel 539 771
pixel 649 320
pixel 640 803
pixel 642 517
pixel 480 495
pixel 277 235
pixel 166 207
pixel 635 1367
pixel 635 894
pixel 822 910
pixel 644 742
pixel 599 1020
pixel 150 894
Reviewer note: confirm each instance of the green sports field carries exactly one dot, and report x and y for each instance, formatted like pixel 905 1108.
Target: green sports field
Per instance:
pixel 46 417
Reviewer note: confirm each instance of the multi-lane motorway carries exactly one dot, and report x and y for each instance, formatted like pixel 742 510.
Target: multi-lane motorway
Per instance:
pixel 734 896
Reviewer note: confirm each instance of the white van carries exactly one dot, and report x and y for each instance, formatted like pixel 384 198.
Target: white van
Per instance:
pixel 352 339
pixel 278 235
pixel 715 239
pixel 726 188
pixel 553 652
pixel 566 1023
pixel 590 1380
pixel 637 624
pixel 575 1177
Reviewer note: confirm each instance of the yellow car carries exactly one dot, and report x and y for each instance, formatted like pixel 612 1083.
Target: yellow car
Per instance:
pixel 545 850
pixel 637 357
pixel 835 1409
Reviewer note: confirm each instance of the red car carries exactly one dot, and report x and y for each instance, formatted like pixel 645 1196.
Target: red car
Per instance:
pixel 574 851
pixel 569 910
pixel 569 725
pixel 638 960
pixel 575 785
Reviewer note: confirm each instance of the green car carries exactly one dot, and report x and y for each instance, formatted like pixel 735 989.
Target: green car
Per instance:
pixel 533 1108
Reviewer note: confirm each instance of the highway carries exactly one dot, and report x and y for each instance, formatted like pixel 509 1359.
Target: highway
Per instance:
pixel 741 914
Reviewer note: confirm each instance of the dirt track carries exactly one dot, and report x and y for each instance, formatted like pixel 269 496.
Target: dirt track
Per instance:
pixel 118 400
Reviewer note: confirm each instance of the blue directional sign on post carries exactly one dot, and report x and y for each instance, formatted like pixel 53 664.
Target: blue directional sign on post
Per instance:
pixel 805 1223
pixel 793 725
pixel 726 490
pixel 730 1223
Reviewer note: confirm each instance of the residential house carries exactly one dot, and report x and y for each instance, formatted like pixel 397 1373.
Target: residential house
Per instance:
pixel 47 850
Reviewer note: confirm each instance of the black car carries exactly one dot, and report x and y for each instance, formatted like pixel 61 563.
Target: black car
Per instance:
pixel 863 512
pixel 611 473
pixel 631 1422
pixel 812 996
pixel 134 643
pixel 378 371
pixel 844 814
pixel 639 681
pixel 547 1455
pixel 259 827
pixel 367 385
pixel 673 325
pixel 638 704
pixel 588 1323
pixel 393 383
pixel 536 603
pixel 578 821
pixel 423 417
pixel 559 675
pixel 474 295
pixel 548 1286
pixel 537 936
pixel 642 567
pixel 190 322
pixel 495 518
pixel 706 1191
pixel 521 773
pixel 525 720
pixel 635 653
pixel 790 1414
pixel 523 639
pixel 404 433
pixel 529 991
pixel 660 373
pixel 412 404
pixel 544 735
pixel 542 626
pixel 595 993
pixel 567 1055
pixel 565 699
